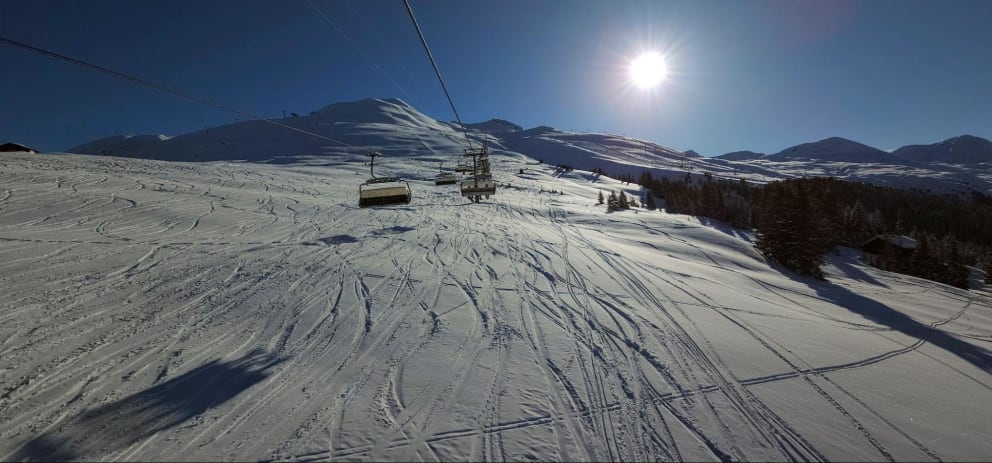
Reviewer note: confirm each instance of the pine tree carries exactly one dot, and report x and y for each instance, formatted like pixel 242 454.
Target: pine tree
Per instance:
pixel 649 201
pixel 612 203
pixel 791 229
pixel 923 262
pixel 623 203
pixel 645 179
pixel 600 199
pixel 956 273
pixel 854 220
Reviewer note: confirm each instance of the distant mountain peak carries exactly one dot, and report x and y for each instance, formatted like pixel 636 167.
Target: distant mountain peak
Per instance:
pixel 963 149
pixel 834 143
pixel 367 104
pixel 741 155
pixel 838 140
pixel 495 126
pixel 966 138
pixel 833 149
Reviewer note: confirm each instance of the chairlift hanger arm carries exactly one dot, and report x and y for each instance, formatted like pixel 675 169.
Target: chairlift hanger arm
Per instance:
pixel 373 155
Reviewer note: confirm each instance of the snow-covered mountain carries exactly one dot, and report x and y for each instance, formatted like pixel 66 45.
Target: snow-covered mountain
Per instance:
pixel 399 130
pixel 494 126
pixel 248 311
pixel 834 149
pixel 740 156
pixel 907 167
pixel 387 125
pixel 965 149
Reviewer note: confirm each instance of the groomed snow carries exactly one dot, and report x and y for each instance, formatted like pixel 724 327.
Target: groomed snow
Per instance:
pixel 233 311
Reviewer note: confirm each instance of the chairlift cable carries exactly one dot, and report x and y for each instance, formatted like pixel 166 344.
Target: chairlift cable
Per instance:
pixel 162 88
pixel 437 71
pixel 378 39
pixel 360 50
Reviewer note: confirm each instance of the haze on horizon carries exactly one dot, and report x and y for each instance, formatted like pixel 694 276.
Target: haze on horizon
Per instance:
pixel 757 76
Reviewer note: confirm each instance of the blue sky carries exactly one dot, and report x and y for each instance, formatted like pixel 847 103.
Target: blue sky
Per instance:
pixel 754 75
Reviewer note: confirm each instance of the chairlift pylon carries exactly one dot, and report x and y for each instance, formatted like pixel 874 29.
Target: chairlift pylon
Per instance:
pixel 481 183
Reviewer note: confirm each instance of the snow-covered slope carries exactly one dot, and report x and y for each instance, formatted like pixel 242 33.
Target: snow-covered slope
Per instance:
pixel 388 125
pixel 246 311
pixel 614 154
pixel 937 178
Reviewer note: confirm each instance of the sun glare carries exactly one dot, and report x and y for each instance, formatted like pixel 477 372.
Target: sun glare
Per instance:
pixel 648 70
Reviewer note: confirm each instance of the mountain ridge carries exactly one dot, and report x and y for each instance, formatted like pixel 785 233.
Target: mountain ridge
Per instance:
pixel 971 150
pixel 963 149
pixel 395 128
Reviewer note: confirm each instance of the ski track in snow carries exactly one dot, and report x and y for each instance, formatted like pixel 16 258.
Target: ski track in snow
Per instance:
pixel 246 311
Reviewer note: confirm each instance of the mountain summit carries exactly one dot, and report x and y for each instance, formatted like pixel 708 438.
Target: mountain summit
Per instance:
pixel 833 149
pixel 388 125
pixel 966 149
pixel 495 126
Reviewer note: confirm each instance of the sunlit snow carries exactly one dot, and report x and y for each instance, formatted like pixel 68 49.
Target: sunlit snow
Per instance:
pixel 247 310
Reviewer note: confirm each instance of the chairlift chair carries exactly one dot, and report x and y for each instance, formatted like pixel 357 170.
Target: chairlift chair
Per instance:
pixel 477 187
pixel 445 179
pixel 382 191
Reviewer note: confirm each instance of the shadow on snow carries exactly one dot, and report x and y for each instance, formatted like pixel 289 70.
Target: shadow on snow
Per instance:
pixel 95 433
pixel 898 321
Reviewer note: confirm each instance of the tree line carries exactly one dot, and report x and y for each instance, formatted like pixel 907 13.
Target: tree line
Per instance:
pixel 798 220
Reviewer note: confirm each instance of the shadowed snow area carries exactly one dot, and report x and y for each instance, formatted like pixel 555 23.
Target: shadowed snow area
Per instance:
pixel 125 422
pixel 242 311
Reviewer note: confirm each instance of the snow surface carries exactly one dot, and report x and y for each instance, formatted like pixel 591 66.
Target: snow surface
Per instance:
pixel 240 311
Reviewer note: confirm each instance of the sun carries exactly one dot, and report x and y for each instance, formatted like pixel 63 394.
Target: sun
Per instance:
pixel 648 70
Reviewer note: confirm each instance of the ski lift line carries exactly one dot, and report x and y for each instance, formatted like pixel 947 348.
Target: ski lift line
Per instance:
pixel 437 71
pixel 162 88
pixel 360 50
pixel 378 39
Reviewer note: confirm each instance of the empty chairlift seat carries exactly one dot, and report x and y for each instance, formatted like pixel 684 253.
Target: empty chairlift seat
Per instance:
pixel 445 179
pixel 384 191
